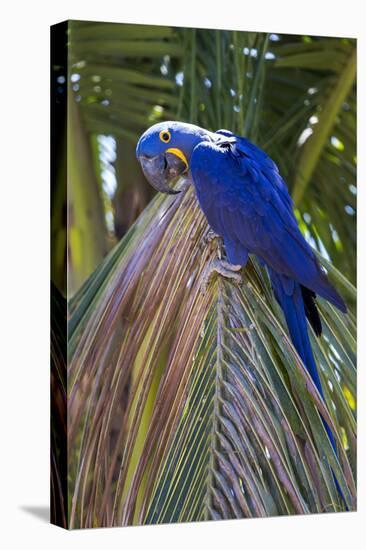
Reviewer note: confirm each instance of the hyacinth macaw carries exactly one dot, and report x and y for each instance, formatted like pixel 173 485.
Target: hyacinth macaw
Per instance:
pixel 246 203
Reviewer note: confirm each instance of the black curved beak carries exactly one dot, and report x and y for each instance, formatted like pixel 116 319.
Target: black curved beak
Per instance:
pixel 161 170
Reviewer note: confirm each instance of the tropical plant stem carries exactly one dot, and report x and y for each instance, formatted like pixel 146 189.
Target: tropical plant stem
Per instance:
pixel 193 104
pixel 216 399
pixel 218 77
pixel 314 146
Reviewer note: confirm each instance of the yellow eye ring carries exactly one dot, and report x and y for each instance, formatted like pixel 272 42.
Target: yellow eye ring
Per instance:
pixel 165 136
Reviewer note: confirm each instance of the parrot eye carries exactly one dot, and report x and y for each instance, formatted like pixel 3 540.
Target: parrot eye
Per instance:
pixel 165 136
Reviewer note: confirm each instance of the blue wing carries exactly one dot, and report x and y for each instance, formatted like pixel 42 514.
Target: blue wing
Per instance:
pixel 246 201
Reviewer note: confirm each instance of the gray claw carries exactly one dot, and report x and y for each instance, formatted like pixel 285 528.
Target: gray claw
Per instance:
pixel 211 236
pixel 223 268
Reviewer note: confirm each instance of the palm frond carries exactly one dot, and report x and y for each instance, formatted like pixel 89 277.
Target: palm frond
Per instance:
pixel 309 127
pixel 207 409
pixel 116 73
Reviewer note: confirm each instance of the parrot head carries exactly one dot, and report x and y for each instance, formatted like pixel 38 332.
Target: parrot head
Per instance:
pixel 164 152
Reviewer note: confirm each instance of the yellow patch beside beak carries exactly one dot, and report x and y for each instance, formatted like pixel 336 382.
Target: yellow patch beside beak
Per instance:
pixel 178 153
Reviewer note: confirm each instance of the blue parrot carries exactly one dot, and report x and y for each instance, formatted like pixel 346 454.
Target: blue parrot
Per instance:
pixel 246 202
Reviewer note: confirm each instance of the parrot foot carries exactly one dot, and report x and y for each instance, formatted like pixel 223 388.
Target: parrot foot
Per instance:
pixel 211 236
pixel 223 268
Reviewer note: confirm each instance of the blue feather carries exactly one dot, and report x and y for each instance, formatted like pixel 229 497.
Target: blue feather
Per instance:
pixel 245 200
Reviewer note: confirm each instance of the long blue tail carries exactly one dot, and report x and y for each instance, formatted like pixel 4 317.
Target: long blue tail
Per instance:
pixel 290 296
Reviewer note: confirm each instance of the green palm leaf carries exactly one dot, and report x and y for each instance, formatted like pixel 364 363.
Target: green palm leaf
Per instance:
pixel 311 131
pixel 118 95
pixel 216 415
